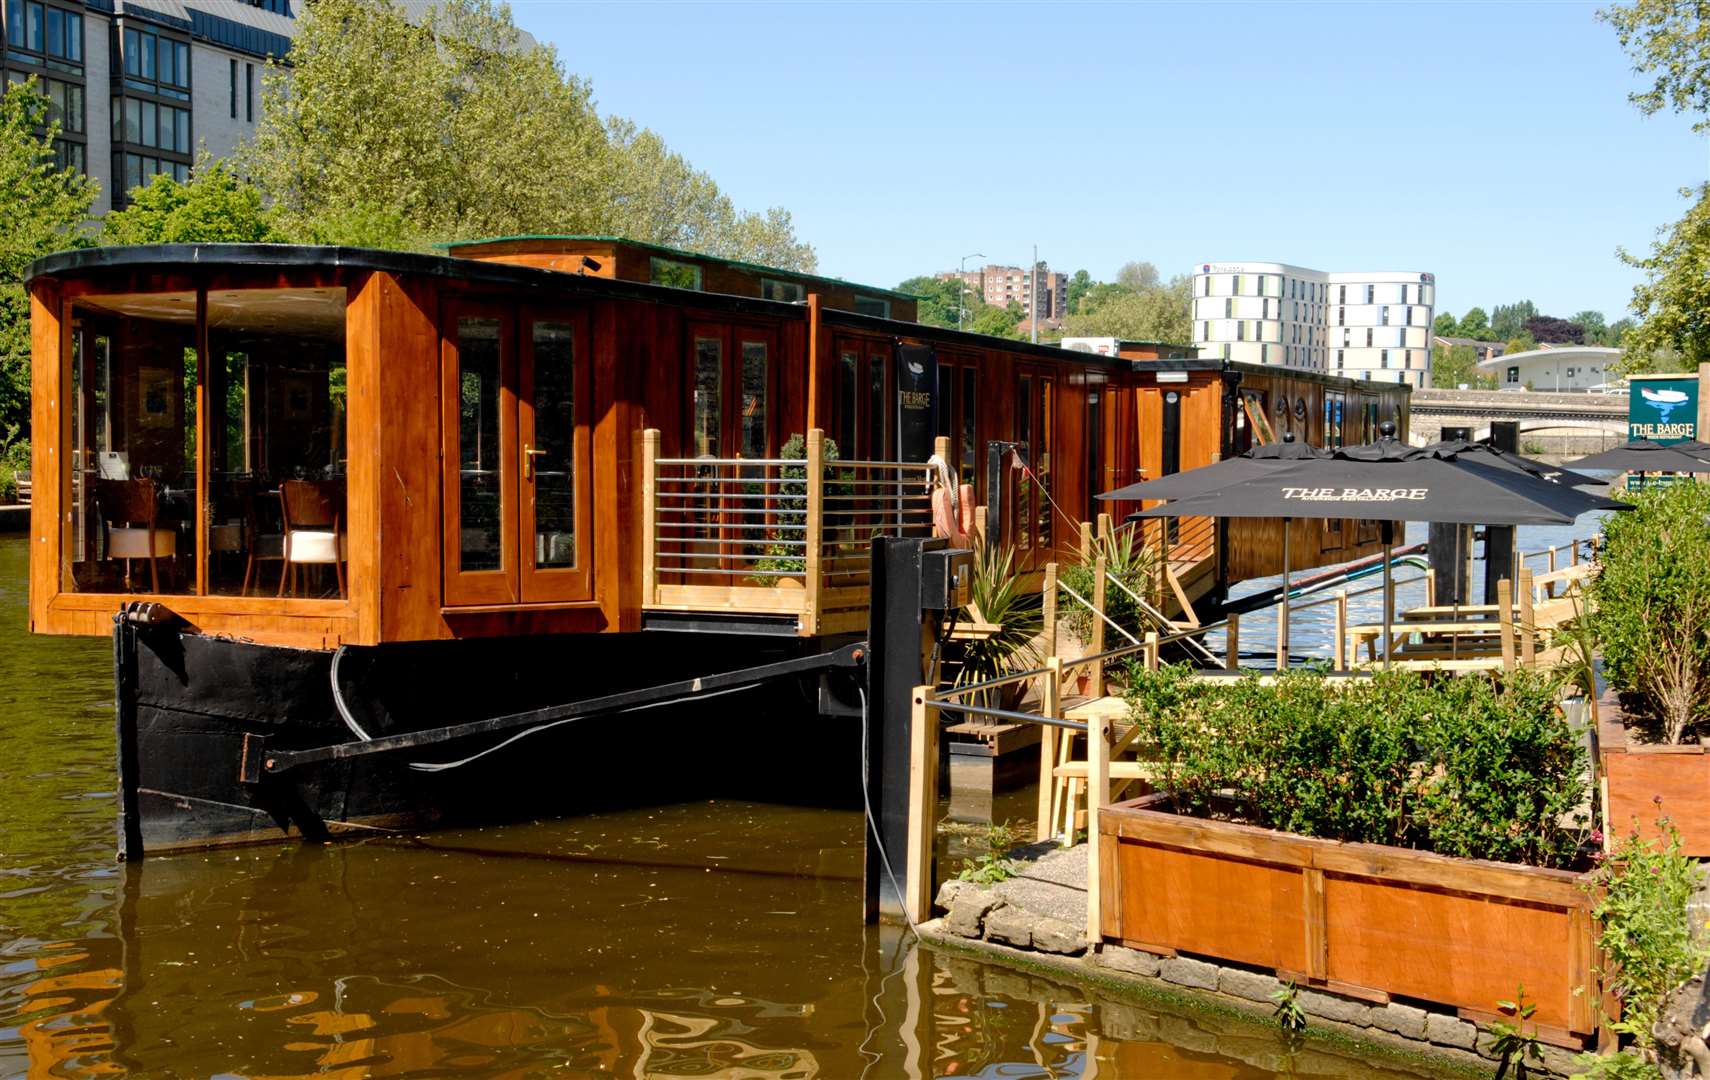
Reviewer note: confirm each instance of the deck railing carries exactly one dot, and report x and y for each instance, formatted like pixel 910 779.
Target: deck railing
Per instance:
pixel 773 536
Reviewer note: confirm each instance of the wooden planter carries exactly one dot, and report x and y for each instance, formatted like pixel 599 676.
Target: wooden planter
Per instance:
pixel 1362 920
pixel 1635 775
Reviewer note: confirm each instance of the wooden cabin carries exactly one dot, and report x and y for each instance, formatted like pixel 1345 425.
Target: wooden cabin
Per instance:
pixel 318 446
pixel 656 264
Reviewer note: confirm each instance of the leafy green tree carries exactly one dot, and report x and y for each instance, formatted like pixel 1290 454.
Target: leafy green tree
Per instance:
pixel 1522 342
pixel 1475 324
pixel 46 209
pixel 1456 366
pixel 1668 41
pixel 938 298
pixel 1592 323
pixel 388 130
pixel 1161 313
pixel 216 206
pixel 1138 276
pixel 1673 302
pixel 1508 320
pixel 1078 286
pixel 1445 325
pixel 993 320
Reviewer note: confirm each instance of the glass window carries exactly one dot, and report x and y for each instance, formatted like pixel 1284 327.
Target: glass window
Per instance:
pixel 276 441
pixel 249 92
pixel 234 67
pixel 678 275
pixel 479 491
pixel 709 395
pixel 848 383
pixel 1513 375
pixel 791 292
pixel 756 376
pixel 33 39
pixel 876 411
pixel 970 428
pixel 554 451
pixel 134 444
pixel 15 23
pixel 872 305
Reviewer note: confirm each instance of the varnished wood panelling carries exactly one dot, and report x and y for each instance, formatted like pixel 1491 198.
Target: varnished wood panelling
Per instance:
pixel 50 427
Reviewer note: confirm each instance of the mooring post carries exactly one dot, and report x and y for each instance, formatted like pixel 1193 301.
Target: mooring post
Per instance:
pixel 914 581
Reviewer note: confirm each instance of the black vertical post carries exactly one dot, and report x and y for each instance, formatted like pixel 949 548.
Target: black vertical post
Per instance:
pixel 125 715
pixel 1445 545
pixel 1499 539
pixel 899 637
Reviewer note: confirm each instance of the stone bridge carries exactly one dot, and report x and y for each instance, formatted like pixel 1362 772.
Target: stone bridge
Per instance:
pixel 1550 424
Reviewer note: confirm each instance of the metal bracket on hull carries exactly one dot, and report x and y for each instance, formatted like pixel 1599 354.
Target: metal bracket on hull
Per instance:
pixel 258 761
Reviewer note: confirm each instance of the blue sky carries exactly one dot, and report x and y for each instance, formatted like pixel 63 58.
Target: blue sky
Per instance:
pixel 1492 144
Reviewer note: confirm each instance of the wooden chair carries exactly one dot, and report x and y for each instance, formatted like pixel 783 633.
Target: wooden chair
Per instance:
pixel 128 511
pixel 259 546
pixel 313 532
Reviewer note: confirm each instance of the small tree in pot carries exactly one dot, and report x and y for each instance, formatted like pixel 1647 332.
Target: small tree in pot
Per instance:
pixel 1651 608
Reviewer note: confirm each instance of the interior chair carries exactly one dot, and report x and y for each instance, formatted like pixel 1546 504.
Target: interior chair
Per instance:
pixel 310 511
pixel 263 539
pixel 128 509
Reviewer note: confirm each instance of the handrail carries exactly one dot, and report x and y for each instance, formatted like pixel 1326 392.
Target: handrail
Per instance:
pixel 1107 619
pixel 1006 714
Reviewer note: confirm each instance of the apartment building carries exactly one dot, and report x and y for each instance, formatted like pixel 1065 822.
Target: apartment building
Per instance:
pixel 1000 285
pixel 1360 325
pixel 139 89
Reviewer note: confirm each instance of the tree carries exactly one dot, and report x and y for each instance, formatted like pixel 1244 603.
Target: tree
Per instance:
pixel 993 320
pixel 1508 320
pixel 449 127
pixel 938 298
pixel 1523 343
pixel 1445 325
pixel 1456 366
pixel 1668 41
pixel 1673 302
pixel 1596 333
pixel 1138 276
pixel 46 208
pixel 1078 286
pixel 1475 324
pixel 1161 313
pixel 1555 331
pixel 216 206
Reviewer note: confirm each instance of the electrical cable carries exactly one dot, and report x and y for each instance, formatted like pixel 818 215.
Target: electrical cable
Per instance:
pixel 344 712
pixel 872 822
pixel 434 767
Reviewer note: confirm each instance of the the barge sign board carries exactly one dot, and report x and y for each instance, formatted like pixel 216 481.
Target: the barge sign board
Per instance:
pixel 1663 410
pixel 917 374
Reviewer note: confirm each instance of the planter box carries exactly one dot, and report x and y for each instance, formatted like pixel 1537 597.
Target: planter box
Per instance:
pixel 1362 920
pixel 1635 774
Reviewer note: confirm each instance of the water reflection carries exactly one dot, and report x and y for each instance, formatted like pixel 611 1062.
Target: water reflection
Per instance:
pixel 700 939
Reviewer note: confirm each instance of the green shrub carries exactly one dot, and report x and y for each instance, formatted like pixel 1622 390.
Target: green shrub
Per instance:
pixel 1647 943
pixel 1651 608
pixel 1459 766
pixel 14 463
pixel 1129 561
pixel 783 558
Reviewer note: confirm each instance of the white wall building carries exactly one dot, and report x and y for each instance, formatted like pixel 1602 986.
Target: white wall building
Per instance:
pixel 1373 326
pixel 1562 367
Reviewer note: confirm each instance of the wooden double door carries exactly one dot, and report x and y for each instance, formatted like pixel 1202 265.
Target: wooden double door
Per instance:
pixel 515 395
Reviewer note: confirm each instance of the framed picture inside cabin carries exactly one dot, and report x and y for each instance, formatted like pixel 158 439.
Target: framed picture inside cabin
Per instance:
pixel 157 397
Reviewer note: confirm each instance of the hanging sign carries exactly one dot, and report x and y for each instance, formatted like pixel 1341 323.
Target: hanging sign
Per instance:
pixel 917 376
pixel 1663 410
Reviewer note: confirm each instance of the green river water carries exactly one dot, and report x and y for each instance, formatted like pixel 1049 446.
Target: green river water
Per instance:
pixel 703 939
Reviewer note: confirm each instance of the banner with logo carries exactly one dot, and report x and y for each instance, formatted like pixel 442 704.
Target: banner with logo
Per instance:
pixel 1663 410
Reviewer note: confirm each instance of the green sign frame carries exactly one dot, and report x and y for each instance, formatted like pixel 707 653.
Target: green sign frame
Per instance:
pixel 1663 410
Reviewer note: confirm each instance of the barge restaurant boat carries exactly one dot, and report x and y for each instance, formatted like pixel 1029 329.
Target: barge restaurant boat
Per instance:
pixel 356 494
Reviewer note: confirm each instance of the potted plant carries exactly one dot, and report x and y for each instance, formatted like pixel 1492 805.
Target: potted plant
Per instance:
pixel 1127 560
pixel 781 558
pixel 1650 620
pixel 997 590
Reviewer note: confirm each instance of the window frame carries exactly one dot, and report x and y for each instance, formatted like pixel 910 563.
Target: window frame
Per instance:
pixel 655 263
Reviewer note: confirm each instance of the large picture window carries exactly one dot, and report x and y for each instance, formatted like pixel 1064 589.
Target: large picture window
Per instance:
pixel 270 465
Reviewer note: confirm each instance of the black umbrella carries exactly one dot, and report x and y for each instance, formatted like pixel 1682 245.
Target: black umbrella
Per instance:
pixel 1643 455
pixel 1259 461
pixel 1502 459
pixel 1388 481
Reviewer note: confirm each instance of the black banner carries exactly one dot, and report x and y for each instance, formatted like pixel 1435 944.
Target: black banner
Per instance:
pixel 917 379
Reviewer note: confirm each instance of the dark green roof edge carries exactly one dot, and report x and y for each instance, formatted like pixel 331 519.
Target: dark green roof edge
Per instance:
pixel 453 245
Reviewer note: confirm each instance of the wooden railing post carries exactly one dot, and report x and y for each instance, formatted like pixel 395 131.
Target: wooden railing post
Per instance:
pixel 922 804
pixel 1086 540
pixel 1431 587
pixel 1098 796
pixel 1527 625
pixel 1050 706
pixel 1104 527
pixel 1551 588
pixel 1505 621
pixel 1151 650
pixel 1232 643
pixel 941 448
pixel 1282 635
pixel 813 534
pixel 1098 622
pixel 1049 600
pixel 980 525
pixel 650 516
pixel 1340 662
